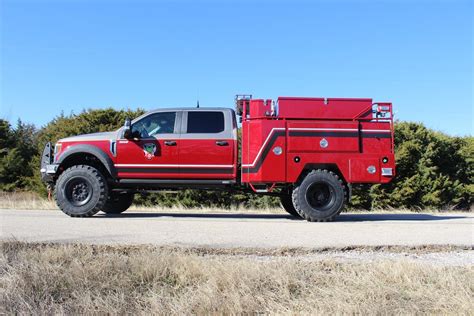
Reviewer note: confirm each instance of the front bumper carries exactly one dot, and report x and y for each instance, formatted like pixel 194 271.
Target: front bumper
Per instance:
pixel 48 169
pixel 48 172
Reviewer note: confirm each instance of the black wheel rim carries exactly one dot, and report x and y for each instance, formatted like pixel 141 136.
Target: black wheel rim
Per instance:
pixel 78 191
pixel 320 195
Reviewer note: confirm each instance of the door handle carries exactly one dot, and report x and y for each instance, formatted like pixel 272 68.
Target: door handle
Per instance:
pixel 221 143
pixel 170 143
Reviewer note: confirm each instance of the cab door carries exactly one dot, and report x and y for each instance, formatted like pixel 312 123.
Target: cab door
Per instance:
pixel 207 145
pixel 152 152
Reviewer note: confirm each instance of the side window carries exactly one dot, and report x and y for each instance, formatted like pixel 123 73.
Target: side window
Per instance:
pixel 205 122
pixel 154 124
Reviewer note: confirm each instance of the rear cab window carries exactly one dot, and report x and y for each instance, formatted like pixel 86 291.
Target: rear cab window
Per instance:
pixel 205 122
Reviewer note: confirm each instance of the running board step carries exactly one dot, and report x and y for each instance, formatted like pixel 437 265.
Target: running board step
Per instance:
pixel 174 181
pixel 262 188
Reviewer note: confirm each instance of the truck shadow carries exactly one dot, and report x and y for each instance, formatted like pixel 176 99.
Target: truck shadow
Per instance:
pixel 136 214
pixel 350 217
pixel 345 217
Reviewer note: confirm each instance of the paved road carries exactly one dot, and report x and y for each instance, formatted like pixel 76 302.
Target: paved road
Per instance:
pixel 239 230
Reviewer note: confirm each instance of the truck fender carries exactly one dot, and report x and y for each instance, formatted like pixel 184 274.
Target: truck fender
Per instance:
pixel 92 150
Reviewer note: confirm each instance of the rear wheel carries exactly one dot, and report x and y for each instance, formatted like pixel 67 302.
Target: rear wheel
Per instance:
pixel 118 203
pixel 287 203
pixel 81 191
pixel 320 196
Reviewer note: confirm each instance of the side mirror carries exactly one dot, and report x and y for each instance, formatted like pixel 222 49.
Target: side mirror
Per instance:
pixel 127 128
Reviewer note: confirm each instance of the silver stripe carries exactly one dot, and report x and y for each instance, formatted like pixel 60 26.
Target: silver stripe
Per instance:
pixel 204 138
pixel 81 139
pixel 173 165
pixel 322 129
pixel 340 129
pixel 377 130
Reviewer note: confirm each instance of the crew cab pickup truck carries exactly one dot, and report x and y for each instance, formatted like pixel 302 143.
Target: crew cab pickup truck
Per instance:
pixel 307 151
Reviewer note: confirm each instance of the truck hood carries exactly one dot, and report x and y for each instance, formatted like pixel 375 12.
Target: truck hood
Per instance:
pixel 93 136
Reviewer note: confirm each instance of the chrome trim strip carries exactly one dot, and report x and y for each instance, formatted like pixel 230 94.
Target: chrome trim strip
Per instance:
pixel 113 147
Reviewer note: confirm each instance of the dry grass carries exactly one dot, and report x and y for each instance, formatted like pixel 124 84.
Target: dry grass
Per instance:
pixel 71 279
pixel 25 200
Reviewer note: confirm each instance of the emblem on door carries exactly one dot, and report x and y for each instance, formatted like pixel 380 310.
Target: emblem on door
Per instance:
pixel 149 149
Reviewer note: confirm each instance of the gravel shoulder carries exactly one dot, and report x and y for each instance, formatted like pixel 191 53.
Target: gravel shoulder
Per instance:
pixel 442 259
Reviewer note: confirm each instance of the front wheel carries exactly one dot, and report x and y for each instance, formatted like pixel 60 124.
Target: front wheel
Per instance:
pixel 81 191
pixel 118 203
pixel 320 196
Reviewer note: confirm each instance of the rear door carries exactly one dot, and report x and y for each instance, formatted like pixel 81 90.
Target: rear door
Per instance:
pixel 207 145
pixel 153 152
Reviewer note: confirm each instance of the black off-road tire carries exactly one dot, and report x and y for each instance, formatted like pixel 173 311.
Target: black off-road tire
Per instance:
pixel 118 203
pixel 287 204
pixel 70 188
pixel 320 196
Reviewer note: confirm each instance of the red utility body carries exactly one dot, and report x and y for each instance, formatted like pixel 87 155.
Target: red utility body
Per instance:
pixel 348 135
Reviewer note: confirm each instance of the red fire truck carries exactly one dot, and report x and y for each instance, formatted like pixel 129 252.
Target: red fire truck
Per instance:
pixel 307 151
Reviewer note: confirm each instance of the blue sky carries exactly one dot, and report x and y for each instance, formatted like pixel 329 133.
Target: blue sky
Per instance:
pixel 70 55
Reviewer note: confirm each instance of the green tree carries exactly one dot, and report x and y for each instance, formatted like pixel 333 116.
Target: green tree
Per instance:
pixel 89 121
pixel 6 136
pixel 17 147
pixel 433 171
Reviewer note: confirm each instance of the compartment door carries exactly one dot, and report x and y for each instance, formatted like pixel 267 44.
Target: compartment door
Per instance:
pixel 364 170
